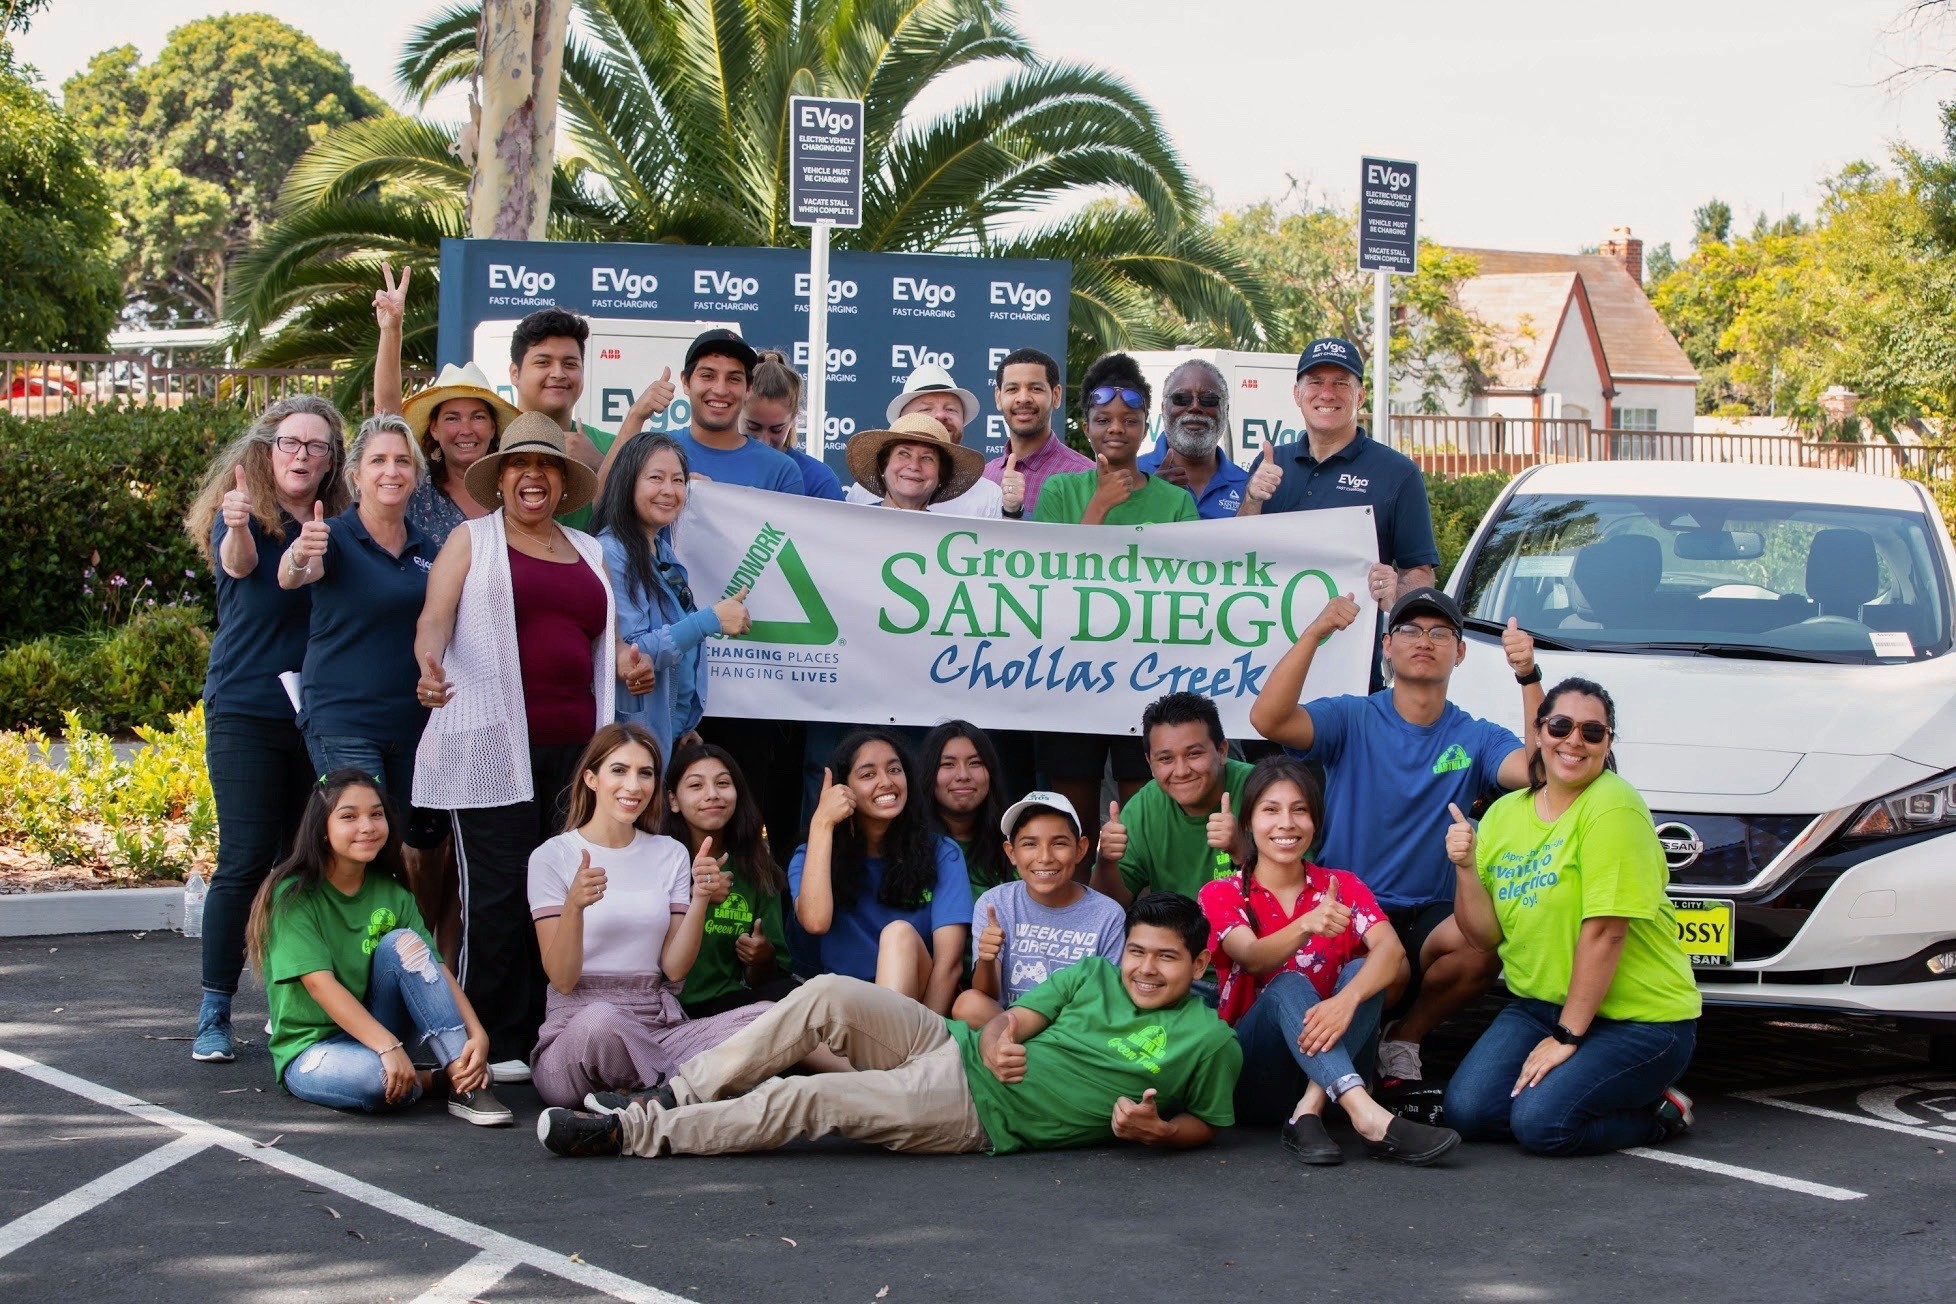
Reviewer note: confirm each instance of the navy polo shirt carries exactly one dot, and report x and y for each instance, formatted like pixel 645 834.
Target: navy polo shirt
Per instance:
pixel 360 676
pixel 261 631
pixel 1219 498
pixel 1364 473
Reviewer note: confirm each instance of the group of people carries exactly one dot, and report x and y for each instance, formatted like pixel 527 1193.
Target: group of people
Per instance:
pixel 446 720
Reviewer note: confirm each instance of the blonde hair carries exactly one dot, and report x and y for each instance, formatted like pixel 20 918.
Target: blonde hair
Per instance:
pixel 253 451
pixel 384 423
pixel 776 381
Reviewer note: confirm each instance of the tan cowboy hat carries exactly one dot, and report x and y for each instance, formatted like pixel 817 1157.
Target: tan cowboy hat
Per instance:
pixel 465 381
pixel 965 465
pixel 531 432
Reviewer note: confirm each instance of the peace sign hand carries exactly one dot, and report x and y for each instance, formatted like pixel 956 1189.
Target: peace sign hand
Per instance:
pixel 390 302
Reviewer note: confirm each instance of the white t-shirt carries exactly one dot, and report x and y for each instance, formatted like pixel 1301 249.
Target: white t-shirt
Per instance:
pixel 982 499
pixel 644 884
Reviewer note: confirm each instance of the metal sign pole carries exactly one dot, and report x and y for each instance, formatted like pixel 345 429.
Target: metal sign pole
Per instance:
pixel 1381 356
pixel 818 339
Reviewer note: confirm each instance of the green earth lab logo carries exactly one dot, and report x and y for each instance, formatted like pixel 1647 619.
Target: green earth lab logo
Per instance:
pixel 817 626
pixel 731 917
pixel 1454 758
pixel 379 925
pixel 1144 1047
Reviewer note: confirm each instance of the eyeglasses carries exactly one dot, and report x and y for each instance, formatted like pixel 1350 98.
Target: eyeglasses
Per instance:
pixel 1561 726
pixel 1134 398
pixel 1437 635
pixel 313 447
pixel 1186 398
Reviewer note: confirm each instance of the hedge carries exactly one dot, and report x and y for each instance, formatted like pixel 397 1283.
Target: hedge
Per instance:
pixel 132 677
pixel 1459 503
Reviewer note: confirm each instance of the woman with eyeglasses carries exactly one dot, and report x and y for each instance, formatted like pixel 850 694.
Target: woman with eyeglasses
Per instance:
pixel 638 509
pixel 283 468
pixel 1565 879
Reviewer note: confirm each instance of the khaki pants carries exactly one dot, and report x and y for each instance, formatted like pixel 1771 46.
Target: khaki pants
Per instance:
pixel 908 1091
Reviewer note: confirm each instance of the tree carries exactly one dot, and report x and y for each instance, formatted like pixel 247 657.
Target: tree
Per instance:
pixel 520 62
pixel 1711 223
pixel 197 144
pixel 1659 262
pixel 55 226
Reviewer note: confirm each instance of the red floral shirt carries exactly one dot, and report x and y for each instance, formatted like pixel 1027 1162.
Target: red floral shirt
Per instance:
pixel 1320 958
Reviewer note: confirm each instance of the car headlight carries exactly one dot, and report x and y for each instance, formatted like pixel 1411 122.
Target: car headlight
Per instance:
pixel 1930 805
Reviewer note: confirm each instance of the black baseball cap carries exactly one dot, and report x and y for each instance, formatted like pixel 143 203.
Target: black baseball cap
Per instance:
pixel 1425 601
pixel 1331 351
pixel 726 344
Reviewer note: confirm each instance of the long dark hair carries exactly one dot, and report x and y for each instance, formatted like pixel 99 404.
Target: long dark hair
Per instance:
pixel 1265 775
pixel 584 802
pixel 312 855
pixel 743 838
pixel 1537 767
pixel 909 844
pixel 617 508
pixel 987 855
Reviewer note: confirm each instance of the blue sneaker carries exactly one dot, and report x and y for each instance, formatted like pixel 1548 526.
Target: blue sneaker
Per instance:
pixel 213 1044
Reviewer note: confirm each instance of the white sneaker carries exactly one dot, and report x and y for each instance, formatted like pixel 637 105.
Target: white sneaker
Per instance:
pixel 518 1071
pixel 1399 1059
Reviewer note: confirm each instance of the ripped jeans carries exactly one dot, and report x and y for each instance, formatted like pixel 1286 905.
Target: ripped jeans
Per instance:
pixel 411 998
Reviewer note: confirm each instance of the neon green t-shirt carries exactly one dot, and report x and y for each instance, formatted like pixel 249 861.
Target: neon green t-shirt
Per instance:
pixel 1601 859
pixel 718 970
pixel 1064 497
pixel 1167 848
pixel 1098 1047
pixel 327 930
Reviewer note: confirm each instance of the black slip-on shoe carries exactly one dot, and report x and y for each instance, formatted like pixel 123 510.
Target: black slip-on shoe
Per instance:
pixel 1407 1142
pixel 575 1134
pixel 1306 1139
pixel 480 1108
pixel 617 1102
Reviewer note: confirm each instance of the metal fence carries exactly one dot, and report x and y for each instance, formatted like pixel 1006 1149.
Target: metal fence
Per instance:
pixel 48 384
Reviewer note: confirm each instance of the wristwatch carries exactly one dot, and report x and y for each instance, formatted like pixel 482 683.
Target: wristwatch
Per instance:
pixel 1534 676
pixel 1566 1037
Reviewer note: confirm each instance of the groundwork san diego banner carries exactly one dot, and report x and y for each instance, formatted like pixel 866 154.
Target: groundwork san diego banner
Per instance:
pixel 871 615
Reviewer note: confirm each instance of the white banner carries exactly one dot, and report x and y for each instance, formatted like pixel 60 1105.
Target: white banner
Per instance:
pixel 871 615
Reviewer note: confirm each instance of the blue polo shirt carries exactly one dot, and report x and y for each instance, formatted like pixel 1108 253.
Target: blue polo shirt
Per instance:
pixel 1364 473
pixel 360 675
pixel 1219 498
pixel 261 631
pixel 753 464
pixel 817 481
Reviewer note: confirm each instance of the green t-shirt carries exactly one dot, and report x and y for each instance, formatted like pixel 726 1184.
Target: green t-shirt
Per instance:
pixel 1064 497
pixel 718 971
pixel 1600 860
pixel 327 930
pixel 1167 848
pixel 1098 1047
pixel 581 518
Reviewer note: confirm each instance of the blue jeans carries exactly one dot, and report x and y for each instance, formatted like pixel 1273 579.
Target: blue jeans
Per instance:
pixel 261 777
pixel 1274 1069
pixel 391 763
pixel 408 994
pixel 1603 1098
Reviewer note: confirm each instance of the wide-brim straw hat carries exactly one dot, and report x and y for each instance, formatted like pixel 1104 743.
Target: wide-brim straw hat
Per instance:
pixel 465 381
pixel 965 465
pixel 531 432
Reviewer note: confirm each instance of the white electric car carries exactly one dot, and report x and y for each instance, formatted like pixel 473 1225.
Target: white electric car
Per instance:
pixel 1778 643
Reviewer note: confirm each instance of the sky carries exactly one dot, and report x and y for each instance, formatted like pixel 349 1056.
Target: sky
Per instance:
pixel 1537 124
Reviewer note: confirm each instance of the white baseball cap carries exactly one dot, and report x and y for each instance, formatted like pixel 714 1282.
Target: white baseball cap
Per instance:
pixel 932 379
pixel 1051 801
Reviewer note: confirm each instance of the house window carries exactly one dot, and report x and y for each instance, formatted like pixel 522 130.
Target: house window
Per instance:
pixel 1629 418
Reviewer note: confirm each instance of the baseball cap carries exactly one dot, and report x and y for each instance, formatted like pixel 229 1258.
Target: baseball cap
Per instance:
pixel 1425 601
pixel 724 342
pixel 1331 351
pixel 1051 801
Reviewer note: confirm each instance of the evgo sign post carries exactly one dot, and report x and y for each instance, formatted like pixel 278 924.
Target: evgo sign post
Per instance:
pixel 825 190
pixel 1388 246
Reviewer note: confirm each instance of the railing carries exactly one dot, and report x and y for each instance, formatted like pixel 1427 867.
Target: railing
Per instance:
pixel 48 384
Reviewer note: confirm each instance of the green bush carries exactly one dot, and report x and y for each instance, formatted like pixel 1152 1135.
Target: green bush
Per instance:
pixel 128 678
pixel 1459 503
pixel 92 512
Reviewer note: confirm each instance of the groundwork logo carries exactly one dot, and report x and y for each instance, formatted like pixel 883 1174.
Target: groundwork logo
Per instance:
pixel 817 627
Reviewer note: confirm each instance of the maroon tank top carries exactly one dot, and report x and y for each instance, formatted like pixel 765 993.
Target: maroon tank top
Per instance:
pixel 559 613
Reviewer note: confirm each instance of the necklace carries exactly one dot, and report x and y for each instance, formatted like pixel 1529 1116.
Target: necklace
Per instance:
pixel 547 543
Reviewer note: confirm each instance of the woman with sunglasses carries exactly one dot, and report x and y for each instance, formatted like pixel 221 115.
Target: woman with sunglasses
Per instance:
pixel 1565 878
pixel 638 509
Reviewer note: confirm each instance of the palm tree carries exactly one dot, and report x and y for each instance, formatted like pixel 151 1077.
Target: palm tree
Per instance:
pixel 676 115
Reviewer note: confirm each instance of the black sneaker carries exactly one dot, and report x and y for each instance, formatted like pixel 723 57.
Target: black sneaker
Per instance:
pixel 577 1135
pixel 480 1108
pixel 1407 1142
pixel 617 1102
pixel 1305 1137
pixel 1674 1113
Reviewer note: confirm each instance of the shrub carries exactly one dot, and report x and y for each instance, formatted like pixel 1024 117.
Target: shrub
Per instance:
pixel 1459 503
pixel 127 678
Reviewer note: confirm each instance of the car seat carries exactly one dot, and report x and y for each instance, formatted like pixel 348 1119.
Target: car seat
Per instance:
pixel 1616 579
pixel 1843 572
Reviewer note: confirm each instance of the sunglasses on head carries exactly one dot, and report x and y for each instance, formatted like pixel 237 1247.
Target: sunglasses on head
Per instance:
pixel 1561 726
pixel 1134 398
pixel 1186 398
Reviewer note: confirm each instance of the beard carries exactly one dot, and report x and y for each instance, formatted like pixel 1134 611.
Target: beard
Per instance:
pixel 1195 436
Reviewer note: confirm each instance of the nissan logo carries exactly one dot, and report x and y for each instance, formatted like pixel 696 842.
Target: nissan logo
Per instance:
pixel 1681 843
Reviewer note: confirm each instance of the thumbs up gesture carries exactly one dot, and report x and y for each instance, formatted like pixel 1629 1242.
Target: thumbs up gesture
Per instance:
pixel 654 398
pixel 433 688
pixel 1012 483
pixel 310 546
pixel 587 886
pixel 1113 835
pixel 635 670
pixel 1460 839
pixel 732 613
pixel 1519 646
pixel 836 805
pixel 711 881
pixel 1330 916
pixel 1004 1056
pixel 1113 487
pixel 1138 1122
pixel 752 949
pixel 1265 479
pixel 1222 828
pixel 992 940
pixel 236 506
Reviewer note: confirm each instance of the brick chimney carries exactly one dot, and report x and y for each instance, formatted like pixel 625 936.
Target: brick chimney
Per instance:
pixel 1626 249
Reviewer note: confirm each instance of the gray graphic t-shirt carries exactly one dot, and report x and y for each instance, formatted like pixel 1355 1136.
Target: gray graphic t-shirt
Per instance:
pixel 1041 941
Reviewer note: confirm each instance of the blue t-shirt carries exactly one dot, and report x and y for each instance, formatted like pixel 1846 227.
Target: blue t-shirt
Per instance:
pixel 1387 785
pixel 360 675
pixel 1219 498
pixel 261 631
pixel 849 947
pixel 817 481
pixel 753 464
pixel 1364 473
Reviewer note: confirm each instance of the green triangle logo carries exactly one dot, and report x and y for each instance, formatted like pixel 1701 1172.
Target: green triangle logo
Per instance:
pixel 1454 758
pixel 817 626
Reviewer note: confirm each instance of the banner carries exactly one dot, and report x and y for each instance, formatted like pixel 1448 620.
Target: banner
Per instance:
pixel 871 615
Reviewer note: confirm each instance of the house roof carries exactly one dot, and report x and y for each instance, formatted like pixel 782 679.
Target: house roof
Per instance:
pixel 1636 343
pixel 1526 310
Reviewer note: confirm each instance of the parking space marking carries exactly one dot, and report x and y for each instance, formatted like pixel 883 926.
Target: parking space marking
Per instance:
pixel 1758 1175
pixel 421 1215
pixel 38 1223
pixel 469 1280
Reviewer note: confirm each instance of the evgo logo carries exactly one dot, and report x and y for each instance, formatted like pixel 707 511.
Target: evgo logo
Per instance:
pixel 711 283
pixel 502 276
pixel 920 289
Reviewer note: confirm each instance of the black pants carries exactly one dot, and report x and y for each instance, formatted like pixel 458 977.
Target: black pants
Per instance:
pixel 500 968
pixel 261 777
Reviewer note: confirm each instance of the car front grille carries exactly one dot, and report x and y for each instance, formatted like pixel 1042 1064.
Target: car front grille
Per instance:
pixel 1722 851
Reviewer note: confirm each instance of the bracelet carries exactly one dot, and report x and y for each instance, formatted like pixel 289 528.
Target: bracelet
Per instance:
pixel 1013 514
pixel 389 1050
pixel 1534 676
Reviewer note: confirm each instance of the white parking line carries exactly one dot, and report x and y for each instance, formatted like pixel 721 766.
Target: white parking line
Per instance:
pixel 1927 1133
pixel 31 1226
pixel 204 1134
pixel 469 1280
pixel 1758 1175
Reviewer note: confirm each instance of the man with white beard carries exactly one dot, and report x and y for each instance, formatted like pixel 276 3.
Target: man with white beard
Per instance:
pixel 1194 418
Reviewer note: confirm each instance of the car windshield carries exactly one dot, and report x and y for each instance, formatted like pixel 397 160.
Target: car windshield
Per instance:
pixel 1719 577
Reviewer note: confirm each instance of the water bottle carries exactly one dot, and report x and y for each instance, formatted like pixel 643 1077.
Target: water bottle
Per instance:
pixel 194 892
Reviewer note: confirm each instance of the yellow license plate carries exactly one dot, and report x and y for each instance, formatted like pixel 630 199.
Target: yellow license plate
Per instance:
pixel 1704 931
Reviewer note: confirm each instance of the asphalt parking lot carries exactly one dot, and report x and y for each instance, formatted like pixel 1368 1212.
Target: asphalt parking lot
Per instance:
pixel 1821 1169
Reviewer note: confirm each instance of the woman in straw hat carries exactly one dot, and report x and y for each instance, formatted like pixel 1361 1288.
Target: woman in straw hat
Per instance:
pixel 458 420
pixel 914 464
pixel 519 657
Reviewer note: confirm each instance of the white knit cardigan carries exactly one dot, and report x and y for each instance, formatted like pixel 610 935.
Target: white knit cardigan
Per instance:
pixel 475 751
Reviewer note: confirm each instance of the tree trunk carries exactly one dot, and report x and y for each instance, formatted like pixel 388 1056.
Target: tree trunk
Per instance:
pixel 521 49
